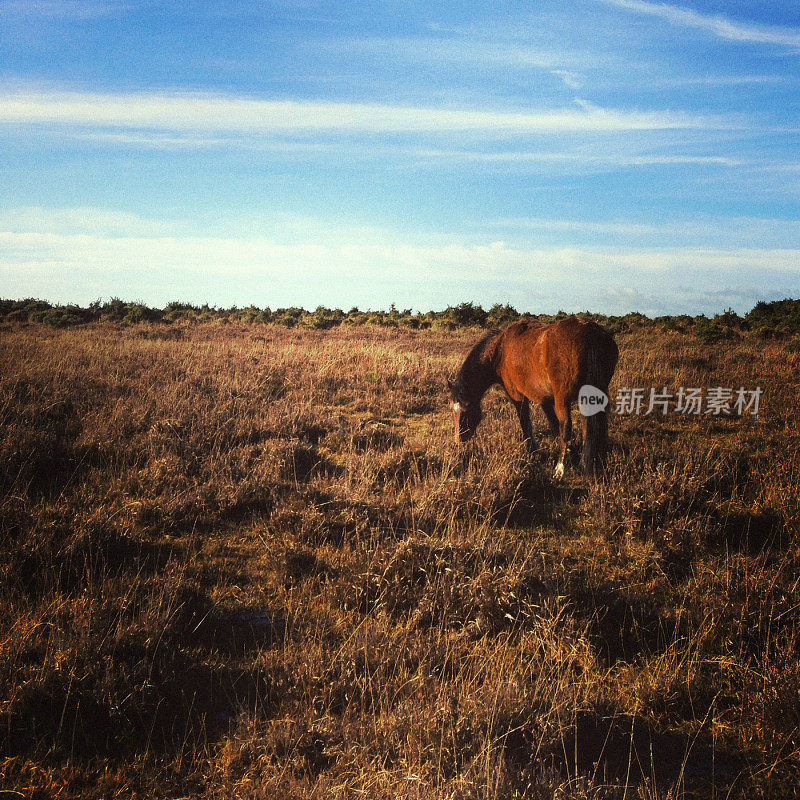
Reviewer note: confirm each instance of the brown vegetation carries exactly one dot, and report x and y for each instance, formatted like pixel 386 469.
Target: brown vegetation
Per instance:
pixel 250 562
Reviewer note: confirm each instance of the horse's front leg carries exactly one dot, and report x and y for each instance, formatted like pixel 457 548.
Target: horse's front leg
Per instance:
pixel 523 408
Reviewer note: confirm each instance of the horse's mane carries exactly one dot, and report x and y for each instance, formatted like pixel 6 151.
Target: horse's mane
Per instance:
pixel 477 364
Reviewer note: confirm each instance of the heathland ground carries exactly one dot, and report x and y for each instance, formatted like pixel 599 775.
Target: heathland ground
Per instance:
pixel 250 561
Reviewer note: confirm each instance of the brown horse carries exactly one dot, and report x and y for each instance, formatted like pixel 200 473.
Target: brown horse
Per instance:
pixel 546 364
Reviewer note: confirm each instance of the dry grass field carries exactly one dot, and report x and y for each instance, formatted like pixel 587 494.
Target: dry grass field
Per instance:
pixel 250 562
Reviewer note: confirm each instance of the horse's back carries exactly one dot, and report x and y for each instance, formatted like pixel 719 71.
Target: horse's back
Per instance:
pixel 521 364
pixel 585 351
pixel 543 360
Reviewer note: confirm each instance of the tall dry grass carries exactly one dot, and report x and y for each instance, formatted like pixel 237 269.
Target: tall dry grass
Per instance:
pixel 243 562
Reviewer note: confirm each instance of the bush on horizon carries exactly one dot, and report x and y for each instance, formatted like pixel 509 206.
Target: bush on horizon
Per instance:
pixel 775 319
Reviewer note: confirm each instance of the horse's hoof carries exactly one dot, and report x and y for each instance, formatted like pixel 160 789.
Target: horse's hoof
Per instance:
pixel 559 473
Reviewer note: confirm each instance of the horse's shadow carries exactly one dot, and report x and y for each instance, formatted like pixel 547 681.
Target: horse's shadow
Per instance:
pixel 538 498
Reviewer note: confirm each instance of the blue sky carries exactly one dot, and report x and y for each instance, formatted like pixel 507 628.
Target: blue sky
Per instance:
pixel 611 155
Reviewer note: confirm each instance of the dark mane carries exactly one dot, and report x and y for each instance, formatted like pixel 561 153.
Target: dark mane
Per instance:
pixel 477 371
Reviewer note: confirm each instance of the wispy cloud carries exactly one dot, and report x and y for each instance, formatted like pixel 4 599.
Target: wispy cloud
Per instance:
pixel 730 230
pixel 155 140
pixel 580 226
pixel 722 80
pixel 215 112
pixel 390 152
pixel 572 80
pixel 648 160
pixel 742 234
pixel 601 160
pixel 457 49
pixel 718 25
pixel 73 9
pixel 81 221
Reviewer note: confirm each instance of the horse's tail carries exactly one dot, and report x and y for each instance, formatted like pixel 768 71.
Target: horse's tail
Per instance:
pixel 601 360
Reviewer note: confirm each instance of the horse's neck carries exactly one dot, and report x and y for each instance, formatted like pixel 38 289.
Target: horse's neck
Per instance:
pixel 483 371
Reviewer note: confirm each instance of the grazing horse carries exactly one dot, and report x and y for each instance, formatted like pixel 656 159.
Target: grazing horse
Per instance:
pixel 546 364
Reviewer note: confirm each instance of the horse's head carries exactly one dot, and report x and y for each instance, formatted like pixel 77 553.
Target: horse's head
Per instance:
pixel 467 412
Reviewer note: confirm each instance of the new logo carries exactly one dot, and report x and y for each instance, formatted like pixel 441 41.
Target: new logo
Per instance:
pixel 591 400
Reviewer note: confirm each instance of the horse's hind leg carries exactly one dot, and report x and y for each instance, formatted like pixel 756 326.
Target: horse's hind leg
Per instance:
pixel 548 406
pixel 524 413
pixel 564 431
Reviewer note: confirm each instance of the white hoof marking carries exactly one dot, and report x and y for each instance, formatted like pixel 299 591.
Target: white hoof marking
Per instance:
pixel 559 473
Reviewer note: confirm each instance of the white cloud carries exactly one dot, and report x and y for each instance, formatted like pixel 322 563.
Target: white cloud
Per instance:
pixel 109 239
pixel 718 25
pixel 236 255
pixel 339 268
pixel 221 113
